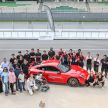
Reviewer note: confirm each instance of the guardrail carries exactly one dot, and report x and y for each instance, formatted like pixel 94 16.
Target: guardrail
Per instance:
pixel 47 34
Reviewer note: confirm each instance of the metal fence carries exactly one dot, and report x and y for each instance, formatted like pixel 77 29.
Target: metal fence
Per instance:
pixel 59 34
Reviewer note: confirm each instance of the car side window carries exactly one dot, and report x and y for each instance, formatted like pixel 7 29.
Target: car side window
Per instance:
pixel 42 68
pixel 51 68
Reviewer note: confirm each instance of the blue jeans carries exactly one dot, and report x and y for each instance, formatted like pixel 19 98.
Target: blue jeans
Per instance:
pixel 6 88
pixel 22 86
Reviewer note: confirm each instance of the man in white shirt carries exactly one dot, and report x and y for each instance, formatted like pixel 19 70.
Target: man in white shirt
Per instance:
pixel 89 61
pixel 31 86
pixel 96 63
pixel 5 63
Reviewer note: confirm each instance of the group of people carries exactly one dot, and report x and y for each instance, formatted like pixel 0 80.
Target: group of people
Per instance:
pixel 14 73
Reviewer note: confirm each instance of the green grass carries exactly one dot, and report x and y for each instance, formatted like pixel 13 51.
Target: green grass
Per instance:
pixel 11 4
pixel 105 3
pixel 66 9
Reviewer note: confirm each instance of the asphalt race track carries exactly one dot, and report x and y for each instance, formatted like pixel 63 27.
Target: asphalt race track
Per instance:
pixel 59 96
pixel 57 16
pixel 7 47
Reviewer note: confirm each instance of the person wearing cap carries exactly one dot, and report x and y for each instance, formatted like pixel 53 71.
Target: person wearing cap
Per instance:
pixel 21 79
pixel 12 80
pixel 51 53
pixel 44 55
pixel 104 67
pixel 32 55
pixel 38 56
pixel 12 59
pixel 19 54
pixel 27 56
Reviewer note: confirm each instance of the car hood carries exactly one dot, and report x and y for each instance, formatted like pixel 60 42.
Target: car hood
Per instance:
pixel 77 70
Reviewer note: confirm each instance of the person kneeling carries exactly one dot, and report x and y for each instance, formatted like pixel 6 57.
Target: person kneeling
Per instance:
pixel 31 86
pixel 90 79
pixel 99 80
pixel 41 82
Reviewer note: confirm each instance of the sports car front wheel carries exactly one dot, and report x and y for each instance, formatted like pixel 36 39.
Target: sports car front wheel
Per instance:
pixel 73 82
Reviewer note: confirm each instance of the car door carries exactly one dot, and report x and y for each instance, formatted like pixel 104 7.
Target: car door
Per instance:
pixel 53 74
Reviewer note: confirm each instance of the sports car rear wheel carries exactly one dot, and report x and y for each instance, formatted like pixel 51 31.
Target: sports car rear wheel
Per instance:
pixel 73 82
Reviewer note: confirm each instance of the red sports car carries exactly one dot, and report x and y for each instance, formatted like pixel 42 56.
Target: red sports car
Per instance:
pixel 55 72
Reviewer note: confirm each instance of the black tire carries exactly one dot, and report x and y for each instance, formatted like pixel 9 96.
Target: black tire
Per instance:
pixel 73 82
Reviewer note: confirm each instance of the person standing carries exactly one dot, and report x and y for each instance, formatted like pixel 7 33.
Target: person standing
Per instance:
pixel 4 64
pixel 17 71
pixel 89 61
pixel 20 61
pixel 104 62
pixel 61 52
pixel 64 58
pixel 81 59
pixel 73 59
pixel 12 80
pixel 44 55
pixel 12 59
pixel 38 57
pixel 19 55
pixel 32 55
pixel 5 80
pixel 51 53
pixel 25 67
pixel 96 63
pixel 21 79
pixel 1 85
pixel 16 64
pixel 27 56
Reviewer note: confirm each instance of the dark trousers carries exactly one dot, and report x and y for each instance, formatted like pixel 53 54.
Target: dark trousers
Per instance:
pixel 22 86
pixel 1 88
pixel 88 67
pixel 104 69
pixel 81 64
pixel 12 87
pixel 96 68
pixel 17 84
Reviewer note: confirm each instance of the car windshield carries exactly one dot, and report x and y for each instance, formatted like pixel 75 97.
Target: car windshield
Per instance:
pixel 64 68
